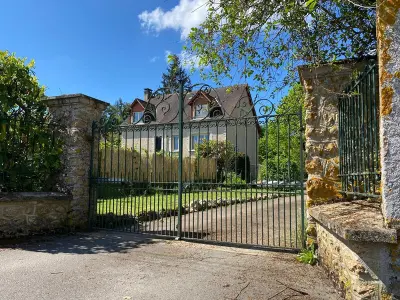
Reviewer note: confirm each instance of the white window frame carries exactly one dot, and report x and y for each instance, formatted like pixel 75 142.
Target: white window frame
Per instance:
pixel 141 116
pixel 200 136
pixel 173 143
pixel 200 116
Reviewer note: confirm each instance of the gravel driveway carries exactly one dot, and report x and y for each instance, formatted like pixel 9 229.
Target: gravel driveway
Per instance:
pixel 106 265
pixel 274 222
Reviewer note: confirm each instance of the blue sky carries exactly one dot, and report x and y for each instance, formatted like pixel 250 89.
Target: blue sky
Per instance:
pixel 105 49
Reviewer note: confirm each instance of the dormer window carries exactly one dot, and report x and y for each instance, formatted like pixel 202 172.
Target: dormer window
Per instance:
pixel 137 116
pixel 201 110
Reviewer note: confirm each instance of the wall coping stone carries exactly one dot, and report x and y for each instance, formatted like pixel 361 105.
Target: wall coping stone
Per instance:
pixel 73 99
pixel 359 220
pixel 33 196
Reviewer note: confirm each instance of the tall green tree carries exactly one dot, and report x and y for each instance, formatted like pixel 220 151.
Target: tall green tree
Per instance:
pixel 265 40
pixel 113 116
pixel 116 113
pixel 174 75
pixel 279 147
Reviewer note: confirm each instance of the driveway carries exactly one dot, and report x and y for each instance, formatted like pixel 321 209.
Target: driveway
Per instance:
pixel 275 222
pixel 108 265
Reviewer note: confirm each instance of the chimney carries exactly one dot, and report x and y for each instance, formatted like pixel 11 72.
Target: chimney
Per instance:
pixel 147 94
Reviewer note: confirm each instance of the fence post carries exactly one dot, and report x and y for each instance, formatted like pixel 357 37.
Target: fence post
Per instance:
pixel 76 113
pixel 180 160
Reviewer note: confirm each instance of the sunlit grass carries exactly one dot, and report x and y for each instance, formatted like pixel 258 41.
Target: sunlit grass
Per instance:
pixel 135 205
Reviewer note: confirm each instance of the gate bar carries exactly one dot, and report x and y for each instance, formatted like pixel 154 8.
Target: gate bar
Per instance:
pixel 180 160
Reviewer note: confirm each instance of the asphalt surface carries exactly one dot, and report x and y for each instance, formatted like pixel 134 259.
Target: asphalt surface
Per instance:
pixel 109 265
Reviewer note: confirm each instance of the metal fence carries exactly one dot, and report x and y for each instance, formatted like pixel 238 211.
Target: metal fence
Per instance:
pixel 359 136
pixel 29 155
pixel 225 177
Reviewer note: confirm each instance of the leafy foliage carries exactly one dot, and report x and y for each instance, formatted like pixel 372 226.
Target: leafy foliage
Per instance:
pixel 232 179
pixel 265 40
pixel 116 114
pixel 29 149
pixel 279 147
pixel 308 256
pixel 222 151
pixel 174 75
pixel 241 165
pixel 113 116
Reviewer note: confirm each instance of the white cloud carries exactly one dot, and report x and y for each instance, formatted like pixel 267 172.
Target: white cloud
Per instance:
pixel 154 59
pixel 189 60
pixel 183 17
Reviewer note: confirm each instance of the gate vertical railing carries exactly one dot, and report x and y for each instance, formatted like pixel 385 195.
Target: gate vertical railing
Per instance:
pixel 180 158
pixel 165 172
pixel 359 136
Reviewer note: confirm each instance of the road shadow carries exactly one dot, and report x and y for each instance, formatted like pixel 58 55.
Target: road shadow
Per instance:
pixel 83 243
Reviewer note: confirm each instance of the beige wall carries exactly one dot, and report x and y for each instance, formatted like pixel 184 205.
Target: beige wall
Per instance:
pixel 143 137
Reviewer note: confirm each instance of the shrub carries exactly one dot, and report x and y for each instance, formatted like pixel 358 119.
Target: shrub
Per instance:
pixel 29 147
pixel 232 179
pixel 241 165
pixel 222 151
pixel 308 256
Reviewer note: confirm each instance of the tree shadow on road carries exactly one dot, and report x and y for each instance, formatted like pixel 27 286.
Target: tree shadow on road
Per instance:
pixel 83 243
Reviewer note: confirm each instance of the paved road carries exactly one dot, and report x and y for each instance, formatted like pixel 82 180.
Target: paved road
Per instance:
pixel 125 266
pixel 275 222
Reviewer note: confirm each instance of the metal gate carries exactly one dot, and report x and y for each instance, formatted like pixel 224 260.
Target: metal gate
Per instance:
pixel 210 164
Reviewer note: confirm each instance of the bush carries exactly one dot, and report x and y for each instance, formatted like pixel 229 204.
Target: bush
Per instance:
pixel 222 151
pixel 282 170
pixel 29 147
pixel 241 165
pixel 232 179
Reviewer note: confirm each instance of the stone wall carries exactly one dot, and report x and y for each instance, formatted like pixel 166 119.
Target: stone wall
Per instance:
pixel 388 25
pixel 362 263
pixel 24 214
pixel 322 85
pixel 76 113
pixel 361 270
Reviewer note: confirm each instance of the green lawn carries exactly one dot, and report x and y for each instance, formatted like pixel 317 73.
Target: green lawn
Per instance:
pixel 136 204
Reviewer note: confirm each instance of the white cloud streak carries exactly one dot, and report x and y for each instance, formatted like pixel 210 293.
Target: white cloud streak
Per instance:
pixel 188 60
pixel 183 17
pixel 154 59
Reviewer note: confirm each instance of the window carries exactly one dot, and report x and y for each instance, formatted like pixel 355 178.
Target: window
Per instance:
pixel 175 144
pixel 158 143
pixel 198 139
pixel 201 111
pixel 137 116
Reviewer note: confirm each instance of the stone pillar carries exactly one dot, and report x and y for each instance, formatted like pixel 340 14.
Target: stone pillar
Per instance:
pixel 388 32
pixel 322 85
pixel 76 113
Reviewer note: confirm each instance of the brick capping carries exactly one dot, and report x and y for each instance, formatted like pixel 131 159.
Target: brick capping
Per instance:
pixel 360 221
pixel 69 98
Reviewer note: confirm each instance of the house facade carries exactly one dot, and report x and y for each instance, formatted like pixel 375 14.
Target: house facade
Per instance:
pixel 225 115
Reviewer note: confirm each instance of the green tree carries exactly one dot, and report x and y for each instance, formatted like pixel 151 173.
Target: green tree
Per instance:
pixel 222 151
pixel 117 113
pixel 174 75
pixel 279 147
pixel 29 151
pixel 113 116
pixel 265 40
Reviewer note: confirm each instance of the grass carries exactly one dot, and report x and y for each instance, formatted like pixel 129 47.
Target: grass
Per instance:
pixel 137 204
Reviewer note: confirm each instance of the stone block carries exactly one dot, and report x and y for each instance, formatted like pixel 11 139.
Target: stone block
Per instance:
pixel 12 210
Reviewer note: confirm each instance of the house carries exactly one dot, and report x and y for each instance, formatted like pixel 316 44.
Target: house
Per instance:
pixel 224 114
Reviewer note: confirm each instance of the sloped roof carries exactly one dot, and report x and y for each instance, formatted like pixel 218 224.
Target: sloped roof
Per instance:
pixel 167 105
